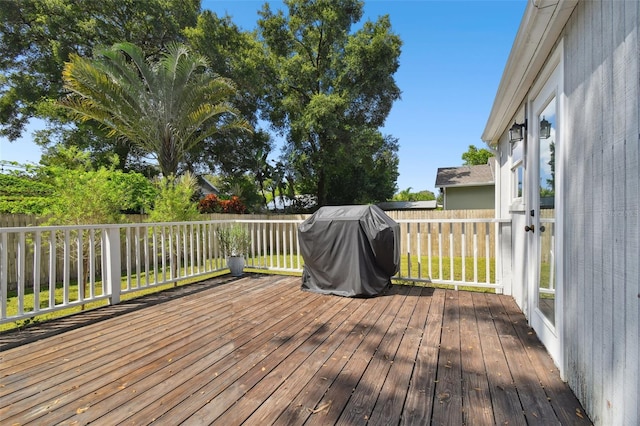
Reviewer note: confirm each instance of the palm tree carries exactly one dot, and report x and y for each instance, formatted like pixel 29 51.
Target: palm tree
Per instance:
pixel 404 195
pixel 166 106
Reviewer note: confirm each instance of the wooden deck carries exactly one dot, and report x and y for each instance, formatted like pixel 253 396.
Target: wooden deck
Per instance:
pixel 258 351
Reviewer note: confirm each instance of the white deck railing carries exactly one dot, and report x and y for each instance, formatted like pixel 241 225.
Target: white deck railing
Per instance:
pixel 455 252
pixel 40 267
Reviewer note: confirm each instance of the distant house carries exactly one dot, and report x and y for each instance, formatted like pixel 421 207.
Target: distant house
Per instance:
pixel 467 187
pixel 206 187
pixel 566 124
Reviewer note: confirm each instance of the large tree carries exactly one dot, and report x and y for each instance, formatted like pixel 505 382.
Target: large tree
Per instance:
pixel 38 36
pixel 238 55
pixel 330 91
pixel 167 107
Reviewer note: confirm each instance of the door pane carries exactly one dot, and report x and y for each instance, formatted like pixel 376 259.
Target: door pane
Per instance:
pixel 546 273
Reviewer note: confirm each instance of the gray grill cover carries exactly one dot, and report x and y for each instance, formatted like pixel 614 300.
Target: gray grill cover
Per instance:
pixel 349 250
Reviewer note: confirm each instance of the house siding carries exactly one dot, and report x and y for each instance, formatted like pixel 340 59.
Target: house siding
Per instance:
pixel 511 242
pixel 469 198
pixel 514 241
pixel 601 233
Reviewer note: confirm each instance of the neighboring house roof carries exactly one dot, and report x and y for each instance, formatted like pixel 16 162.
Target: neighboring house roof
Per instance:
pixel 206 186
pixel 465 176
pixel 408 205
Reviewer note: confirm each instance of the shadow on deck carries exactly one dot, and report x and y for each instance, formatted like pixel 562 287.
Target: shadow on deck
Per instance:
pixel 258 350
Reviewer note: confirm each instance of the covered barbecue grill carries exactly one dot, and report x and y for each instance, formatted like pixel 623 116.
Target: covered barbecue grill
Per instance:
pixel 349 250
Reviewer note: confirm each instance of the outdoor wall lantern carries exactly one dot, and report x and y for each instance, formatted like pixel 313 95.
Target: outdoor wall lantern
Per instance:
pixel 516 132
pixel 545 128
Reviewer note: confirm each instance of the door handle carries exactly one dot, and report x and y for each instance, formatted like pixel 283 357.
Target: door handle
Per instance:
pixel 531 228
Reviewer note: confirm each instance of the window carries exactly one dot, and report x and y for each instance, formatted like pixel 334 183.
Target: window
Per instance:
pixel 517 174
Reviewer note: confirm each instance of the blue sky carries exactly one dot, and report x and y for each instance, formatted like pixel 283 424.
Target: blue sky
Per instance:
pixel 453 55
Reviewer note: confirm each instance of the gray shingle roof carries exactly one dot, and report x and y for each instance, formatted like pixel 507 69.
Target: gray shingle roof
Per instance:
pixel 465 175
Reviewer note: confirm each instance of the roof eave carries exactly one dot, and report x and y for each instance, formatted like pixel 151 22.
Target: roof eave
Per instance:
pixel 539 29
pixel 465 185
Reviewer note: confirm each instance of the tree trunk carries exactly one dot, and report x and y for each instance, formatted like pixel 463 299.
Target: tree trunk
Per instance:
pixel 322 189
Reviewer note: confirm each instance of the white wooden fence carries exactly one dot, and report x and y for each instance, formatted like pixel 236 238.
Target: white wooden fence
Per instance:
pixel 103 262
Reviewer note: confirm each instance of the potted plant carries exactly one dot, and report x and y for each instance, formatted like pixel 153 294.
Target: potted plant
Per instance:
pixel 234 242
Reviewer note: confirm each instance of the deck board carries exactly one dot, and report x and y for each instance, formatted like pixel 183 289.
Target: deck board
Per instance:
pixel 447 405
pixel 504 395
pixel 258 350
pixel 419 403
pixel 309 397
pixel 475 385
pixel 391 399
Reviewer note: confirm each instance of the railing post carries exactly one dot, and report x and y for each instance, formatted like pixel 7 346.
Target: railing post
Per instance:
pixel 4 274
pixel 112 264
pixel 502 246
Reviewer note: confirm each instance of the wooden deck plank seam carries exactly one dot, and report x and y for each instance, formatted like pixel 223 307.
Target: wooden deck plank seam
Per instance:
pixel 146 381
pixel 310 396
pixel 59 394
pixel 38 332
pixel 341 389
pixel 284 397
pixel 257 350
pixel 366 395
pixel 129 408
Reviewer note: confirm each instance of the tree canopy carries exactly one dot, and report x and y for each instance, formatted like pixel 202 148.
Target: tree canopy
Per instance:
pixel 165 107
pixel 330 91
pixel 239 56
pixel 313 74
pixel 38 36
pixel 407 195
pixel 475 156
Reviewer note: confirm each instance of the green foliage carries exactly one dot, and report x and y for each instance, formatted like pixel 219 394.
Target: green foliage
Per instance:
pixel 23 205
pixel 174 202
pixel 476 157
pixel 551 180
pixel 23 194
pixel 239 56
pixel 71 158
pixel 139 192
pixel 330 91
pixel 71 191
pixel 165 107
pixel 13 185
pixel 234 240
pixel 368 178
pixel 37 37
pixel 84 197
pixel 407 195
pixel 243 187
pixel 232 54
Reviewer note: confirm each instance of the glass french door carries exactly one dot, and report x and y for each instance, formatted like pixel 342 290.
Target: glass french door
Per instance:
pixel 542 225
pixel 546 279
